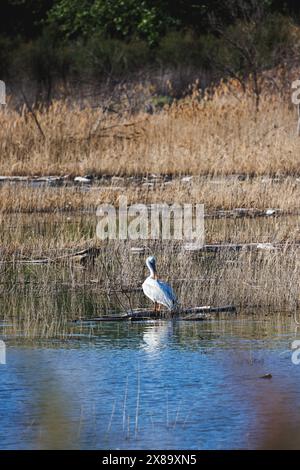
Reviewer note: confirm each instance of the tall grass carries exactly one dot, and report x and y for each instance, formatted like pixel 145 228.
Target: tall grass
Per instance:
pixel 40 301
pixel 216 194
pixel 212 133
pixel 211 136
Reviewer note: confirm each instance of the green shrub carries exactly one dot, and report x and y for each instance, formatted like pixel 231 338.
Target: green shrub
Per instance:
pixel 110 57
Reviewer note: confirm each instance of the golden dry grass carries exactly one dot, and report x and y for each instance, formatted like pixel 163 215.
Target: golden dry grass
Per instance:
pixel 211 138
pixel 215 193
pixel 220 134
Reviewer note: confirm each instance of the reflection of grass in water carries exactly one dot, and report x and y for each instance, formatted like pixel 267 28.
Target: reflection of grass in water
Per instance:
pixel 60 422
pixel 57 429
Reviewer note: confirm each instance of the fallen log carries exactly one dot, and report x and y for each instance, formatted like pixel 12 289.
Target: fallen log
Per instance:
pixel 192 314
pixel 84 257
pixel 209 309
pixel 239 213
pixel 193 247
pixel 214 248
pixel 89 255
pixel 35 180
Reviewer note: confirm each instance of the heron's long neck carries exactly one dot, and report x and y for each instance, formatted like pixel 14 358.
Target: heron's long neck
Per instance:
pixel 152 272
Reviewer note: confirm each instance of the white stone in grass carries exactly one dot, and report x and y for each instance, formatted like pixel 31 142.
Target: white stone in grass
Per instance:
pixel 270 211
pixel 82 180
pixel 137 249
pixel 186 179
pixel 265 246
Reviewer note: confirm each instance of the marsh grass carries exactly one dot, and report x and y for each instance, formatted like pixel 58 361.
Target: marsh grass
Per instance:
pixel 214 193
pixel 217 132
pixel 41 301
pixel 239 158
pixel 26 233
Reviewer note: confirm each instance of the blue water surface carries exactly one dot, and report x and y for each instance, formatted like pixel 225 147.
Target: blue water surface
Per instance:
pixel 163 385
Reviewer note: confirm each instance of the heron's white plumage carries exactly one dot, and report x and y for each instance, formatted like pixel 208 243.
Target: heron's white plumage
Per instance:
pixel 158 291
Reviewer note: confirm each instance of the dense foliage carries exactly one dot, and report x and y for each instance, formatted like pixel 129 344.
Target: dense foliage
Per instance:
pixel 123 19
pixel 49 39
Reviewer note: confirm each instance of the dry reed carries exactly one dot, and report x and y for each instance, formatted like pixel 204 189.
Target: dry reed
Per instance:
pixel 208 135
pixel 214 193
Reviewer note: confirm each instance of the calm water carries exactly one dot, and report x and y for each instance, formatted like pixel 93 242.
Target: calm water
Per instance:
pixel 160 385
